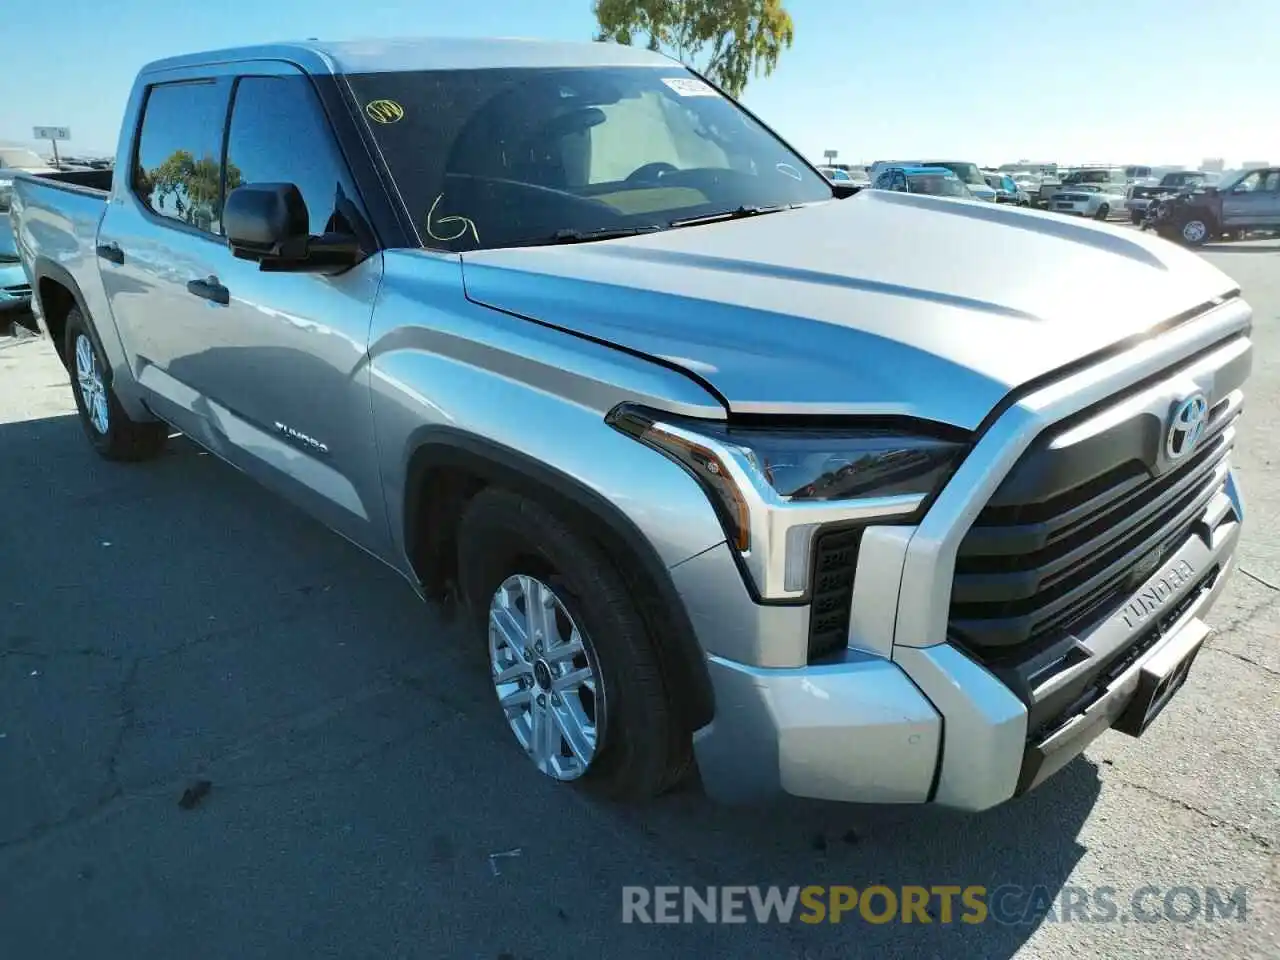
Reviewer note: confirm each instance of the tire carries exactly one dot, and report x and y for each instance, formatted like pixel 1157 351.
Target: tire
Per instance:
pixel 113 434
pixel 1104 211
pixel 1195 231
pixel 509 542
pixel 1136 217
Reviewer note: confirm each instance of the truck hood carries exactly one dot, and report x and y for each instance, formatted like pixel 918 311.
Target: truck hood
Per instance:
pixel 885 303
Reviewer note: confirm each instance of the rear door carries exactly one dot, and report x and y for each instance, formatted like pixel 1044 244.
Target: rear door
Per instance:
pixel 162 230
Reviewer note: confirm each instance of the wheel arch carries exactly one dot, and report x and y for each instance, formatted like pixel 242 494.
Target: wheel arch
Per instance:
pixel 58 294
pixel 447 467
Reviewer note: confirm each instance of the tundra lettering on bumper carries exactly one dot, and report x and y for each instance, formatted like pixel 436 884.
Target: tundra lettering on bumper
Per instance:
pixel 1071 594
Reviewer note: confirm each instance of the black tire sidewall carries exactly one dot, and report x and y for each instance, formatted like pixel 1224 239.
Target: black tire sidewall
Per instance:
pixel 503 534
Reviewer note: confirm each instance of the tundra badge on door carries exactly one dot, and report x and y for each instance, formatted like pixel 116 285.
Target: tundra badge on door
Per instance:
pixel 301 438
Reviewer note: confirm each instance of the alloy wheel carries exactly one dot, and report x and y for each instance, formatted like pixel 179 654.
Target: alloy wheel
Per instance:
pixel 546 676
pixel 93 389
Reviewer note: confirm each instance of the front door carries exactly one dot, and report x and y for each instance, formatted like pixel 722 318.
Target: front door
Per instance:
pixel 1248 203
pixel 287 363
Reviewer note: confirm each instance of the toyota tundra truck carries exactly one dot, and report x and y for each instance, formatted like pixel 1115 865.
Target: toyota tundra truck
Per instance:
pixel 720 465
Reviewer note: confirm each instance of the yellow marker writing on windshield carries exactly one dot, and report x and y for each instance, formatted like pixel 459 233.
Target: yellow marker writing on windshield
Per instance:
pixel 384 111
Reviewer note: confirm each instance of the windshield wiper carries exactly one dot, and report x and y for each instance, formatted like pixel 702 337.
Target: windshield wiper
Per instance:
pixel 604 233
pixel 740 213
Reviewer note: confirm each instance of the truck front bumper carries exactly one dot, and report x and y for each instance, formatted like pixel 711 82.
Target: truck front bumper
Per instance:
pixel 875 729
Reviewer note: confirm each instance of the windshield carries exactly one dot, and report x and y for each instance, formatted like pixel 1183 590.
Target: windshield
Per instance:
pixel 968 172
pixel 1225 181
pixel 21 159
pixel 505 157
pixel 1183 178
pixel 936 184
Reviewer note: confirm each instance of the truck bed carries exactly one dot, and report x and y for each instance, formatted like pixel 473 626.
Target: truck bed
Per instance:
pixel 91 181
pixel 59 215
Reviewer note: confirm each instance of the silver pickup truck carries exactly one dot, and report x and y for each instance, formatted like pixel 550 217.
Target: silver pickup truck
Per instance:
pixel 723 465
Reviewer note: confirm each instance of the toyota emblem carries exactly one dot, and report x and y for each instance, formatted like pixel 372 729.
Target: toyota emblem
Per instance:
pixel 1186 426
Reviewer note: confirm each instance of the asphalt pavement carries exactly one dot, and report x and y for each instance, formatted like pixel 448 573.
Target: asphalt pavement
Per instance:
pixel 226 733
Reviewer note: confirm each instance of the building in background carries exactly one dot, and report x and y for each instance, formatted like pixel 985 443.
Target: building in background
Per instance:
pixel 1213 165
pixel 1254 164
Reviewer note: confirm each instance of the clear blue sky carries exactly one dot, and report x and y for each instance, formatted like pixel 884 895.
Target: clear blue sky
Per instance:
pixel 991 82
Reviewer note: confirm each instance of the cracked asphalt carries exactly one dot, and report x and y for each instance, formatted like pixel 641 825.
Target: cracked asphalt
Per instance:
pixel 167 624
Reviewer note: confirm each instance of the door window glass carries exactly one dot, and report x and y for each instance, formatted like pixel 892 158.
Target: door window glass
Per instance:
pixel 178 172
pixel 280 134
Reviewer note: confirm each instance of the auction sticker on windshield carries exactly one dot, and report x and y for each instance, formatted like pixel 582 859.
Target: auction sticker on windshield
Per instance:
pixel 689 87
pixel 384 111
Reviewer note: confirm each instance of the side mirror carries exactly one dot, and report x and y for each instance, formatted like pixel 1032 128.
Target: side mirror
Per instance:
pixel 269 223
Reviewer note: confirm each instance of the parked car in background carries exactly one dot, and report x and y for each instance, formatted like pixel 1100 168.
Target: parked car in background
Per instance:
pixel 1241 202
pixel 13 159
pixel 968 173
pixel 836 175
pixel 1029 184
pixel 1006 188
pixel 935 181
pixel 1098 201
pixel 15 289
pixel 1140 196
pixel 1097 192
pixel 1049 183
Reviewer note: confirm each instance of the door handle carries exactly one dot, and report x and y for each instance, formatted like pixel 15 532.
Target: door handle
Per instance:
pixel 209 289
pixel 111 251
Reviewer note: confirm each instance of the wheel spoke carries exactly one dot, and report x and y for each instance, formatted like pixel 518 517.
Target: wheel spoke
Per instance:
pixel 513 672
pixel 540 611
pixel 572 726
pixel 510 630
pixel 566 650
pixel 573 680
pixel 544 740
pixel 84 358
pixel 516 700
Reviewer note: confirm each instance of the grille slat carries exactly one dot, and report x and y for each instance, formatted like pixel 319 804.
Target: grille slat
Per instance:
pixel 1016 575
pixel 1023 618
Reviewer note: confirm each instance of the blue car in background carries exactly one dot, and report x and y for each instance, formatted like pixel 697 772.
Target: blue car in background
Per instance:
pixel 935 181
pixel 15 290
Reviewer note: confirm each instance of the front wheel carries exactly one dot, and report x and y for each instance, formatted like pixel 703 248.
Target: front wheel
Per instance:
pixel 1136 217
pixel 1195 232
pixel 1104 211
pixel 574 669
pixel 113 434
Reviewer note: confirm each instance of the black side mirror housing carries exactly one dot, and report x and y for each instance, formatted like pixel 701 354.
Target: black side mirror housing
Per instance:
pixel 842 189
pixel 269 223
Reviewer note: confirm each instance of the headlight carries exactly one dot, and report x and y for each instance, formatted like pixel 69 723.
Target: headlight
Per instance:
pixel 773 484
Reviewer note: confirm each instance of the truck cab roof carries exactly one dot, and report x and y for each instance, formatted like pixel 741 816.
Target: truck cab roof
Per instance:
pixel 424 53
